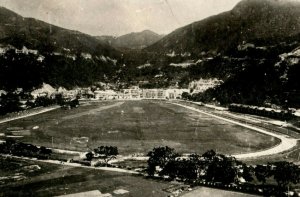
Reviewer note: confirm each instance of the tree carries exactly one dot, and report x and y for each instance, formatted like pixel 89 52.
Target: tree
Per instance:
pixel 89 156
pixel 9 103
pixel 107 153
pixel 247 172
pixel 186 96
pixel 222 169
pixel 159 157
pixel 209 155
pixel 74 103
pixel 44 101
pixel 286 173
pixel 59 99
pixel 44 153
pixel 262 172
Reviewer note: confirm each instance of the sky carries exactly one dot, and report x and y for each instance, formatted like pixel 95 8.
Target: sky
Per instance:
pixel 119 17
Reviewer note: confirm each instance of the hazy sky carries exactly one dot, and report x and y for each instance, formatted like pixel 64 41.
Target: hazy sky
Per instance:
pixel 118 17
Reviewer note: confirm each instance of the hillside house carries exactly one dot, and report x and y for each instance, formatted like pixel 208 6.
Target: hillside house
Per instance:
pixel 86 55
pixel 203 84
pixel 26 51
pixel 2 51
pixel 41 58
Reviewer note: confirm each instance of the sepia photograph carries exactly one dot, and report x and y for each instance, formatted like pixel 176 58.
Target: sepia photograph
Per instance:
pixel 149 98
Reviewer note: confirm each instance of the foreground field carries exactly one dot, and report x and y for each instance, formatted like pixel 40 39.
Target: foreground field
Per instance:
pixel 137 127
pixel 208 192
pixel 53 180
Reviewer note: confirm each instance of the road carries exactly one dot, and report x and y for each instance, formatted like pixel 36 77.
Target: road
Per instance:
pixel 44 110
pixel 286 142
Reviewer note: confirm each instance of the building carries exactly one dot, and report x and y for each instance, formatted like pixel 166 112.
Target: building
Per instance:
pixel 26 51
pixel 2 51
pixel 105 95
pixel 41 58
pixel 131 93
pixel 45 91
pixel 153 94
pixel 86 55
pixel 203 84
pixel 86 93
pixel 175 93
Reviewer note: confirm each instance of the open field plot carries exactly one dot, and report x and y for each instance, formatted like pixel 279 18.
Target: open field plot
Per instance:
pixel 137 127
pixel 208 192
pixel 53 180
pixel 14 170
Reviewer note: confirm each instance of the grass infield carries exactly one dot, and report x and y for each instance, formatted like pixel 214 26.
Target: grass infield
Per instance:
pixel 137 127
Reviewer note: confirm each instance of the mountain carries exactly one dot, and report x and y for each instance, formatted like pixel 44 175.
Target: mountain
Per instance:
pixel 249 20
pixel 137 40
pixel 35 34
pixel 58 56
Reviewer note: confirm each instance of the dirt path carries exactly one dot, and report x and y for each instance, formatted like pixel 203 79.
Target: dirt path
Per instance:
pixel 75 165
pixel 47 109
pixel 286 143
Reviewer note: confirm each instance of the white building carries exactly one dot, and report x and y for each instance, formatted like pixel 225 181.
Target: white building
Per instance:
pixel 153 94
pixel 175 93
pixel 2 51
pixel 41 58
pixel 105 95
pixel 136 93
pixel 131 93
pixel 26 51
pixel 86 55
pixel 203 84
pixel 45 90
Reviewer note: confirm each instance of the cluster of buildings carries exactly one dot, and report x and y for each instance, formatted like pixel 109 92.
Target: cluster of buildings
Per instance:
pixel 24 50
pixel 136 93
pixel 108 94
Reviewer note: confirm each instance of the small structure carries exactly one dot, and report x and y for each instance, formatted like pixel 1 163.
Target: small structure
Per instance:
pixel 45 90
pixel 41 58
pixel 86 55
pixel 26 51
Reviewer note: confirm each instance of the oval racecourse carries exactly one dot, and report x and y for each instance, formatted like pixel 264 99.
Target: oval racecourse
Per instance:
pixel 139 126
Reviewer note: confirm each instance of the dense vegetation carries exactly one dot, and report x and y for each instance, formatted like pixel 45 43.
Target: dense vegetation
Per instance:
pixel 25 71
pixel 222 170
pixel 24 150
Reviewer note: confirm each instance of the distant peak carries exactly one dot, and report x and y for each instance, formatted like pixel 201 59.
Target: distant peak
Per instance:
pixel 7 11
pixel 250 6
pixel 147 31
pixel 244 3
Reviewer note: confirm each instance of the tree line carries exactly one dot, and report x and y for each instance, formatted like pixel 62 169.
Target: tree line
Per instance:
pixel 220 169
pixel 24 150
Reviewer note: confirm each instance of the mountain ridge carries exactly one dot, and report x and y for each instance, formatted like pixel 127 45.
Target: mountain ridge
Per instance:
pixel 248 20
pixel 33 33
pixel 133 40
